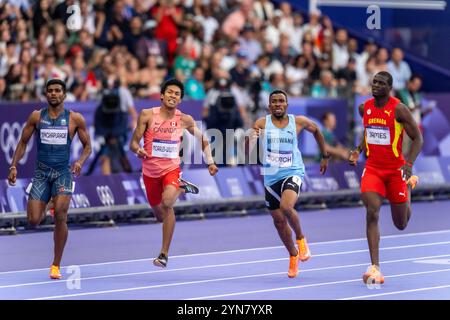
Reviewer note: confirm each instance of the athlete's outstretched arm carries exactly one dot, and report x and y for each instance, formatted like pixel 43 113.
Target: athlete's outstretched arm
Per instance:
pixel 85 140
pixel 143 119
pixel 354 154
pixel 312 127
pixel 403 115
pixel 27 133
pixel 256 132
pixel 192 128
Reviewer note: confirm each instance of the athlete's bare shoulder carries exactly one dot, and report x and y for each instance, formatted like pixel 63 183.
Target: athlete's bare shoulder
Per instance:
pixel 400 111
pixel 34 117
pixel 260 123
pixel 301 120
pixel 186 117
pixel 187 120
pixel 76 116
pixel 146 115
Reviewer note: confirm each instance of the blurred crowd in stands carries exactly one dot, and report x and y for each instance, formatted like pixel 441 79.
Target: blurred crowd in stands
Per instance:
pixel 227 52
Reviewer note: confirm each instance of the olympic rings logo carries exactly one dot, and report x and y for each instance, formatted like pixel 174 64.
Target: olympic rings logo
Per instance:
pixel 105 195
pixel 9 139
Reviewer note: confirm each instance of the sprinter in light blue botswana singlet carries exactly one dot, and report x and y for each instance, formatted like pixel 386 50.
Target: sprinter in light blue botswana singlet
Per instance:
pixel 283 171
pixel 55 128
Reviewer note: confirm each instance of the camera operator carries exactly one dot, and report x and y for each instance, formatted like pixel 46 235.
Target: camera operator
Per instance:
pixel 222 111
pixel 112 125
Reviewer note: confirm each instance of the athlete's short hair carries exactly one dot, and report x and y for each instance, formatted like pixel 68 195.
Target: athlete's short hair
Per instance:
pixel 173 82
pixel 387 75
pixel 278 92
pixel 55 81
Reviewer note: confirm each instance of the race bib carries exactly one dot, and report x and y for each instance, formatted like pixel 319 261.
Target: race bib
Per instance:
pixel 378 135
pixel 282 159
pixel 54 136
pixel 165 149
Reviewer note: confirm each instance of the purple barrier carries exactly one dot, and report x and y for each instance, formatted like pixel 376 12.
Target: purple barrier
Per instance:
pixel 233 183
pixel 436 126
pixel 229 183
pixel 445 167
pixel 429 170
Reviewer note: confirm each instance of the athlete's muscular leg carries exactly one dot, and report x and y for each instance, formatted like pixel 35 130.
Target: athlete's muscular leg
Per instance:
pixel 287 207
pixel 400 209
pixel 35 211
pixel 164 213
pixel 372 201
pixel 280 222
pixel 60 234
pixel 401 212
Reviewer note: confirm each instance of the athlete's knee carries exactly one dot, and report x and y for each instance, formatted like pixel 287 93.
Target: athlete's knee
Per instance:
pixel 279 222
pixel 372 214
pixel 60 216
pixel 286 208
pixel 167 203
pixel 34 221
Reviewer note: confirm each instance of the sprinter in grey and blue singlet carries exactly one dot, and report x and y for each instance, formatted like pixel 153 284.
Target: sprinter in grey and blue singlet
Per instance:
pixel 282 158
pixel 284 170
pixel 52 175
pixel 54 126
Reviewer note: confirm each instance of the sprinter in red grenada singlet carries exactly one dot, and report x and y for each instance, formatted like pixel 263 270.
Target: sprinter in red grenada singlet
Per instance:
pixel 162 128
pixel 387 173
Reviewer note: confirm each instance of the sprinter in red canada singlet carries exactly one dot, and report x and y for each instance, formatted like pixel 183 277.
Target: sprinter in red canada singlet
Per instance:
pixel 162 128
pixel 387 173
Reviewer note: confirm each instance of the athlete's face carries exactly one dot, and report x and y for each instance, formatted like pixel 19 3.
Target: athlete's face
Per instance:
pixel 278 105
pixel 171 97
pixel 55 95
pixel 380 86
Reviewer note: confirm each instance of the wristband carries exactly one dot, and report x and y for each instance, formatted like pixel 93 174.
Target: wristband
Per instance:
pixel 12 167
pixel 210 164
pixel 327 156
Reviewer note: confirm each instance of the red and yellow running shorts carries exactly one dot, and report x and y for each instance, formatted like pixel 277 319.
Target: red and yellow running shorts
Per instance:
pixel 154 187
pixel 389 183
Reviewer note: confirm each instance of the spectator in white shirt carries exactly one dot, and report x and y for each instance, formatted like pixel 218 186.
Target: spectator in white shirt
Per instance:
pixel 382 59
pixel 208 22
pixel 287 21
pixel 352 47
pixel 340 50
pixel 249 44
pixel 296 74
pixel 272 32
pixel 313 25
pixel 297 34
pixel 399 69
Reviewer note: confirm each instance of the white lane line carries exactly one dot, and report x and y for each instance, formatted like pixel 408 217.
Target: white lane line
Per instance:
pixel 230 264
pixel 396 292
pixel 212 266
pixel 310 285
pixel 223 279
pixel 238 250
